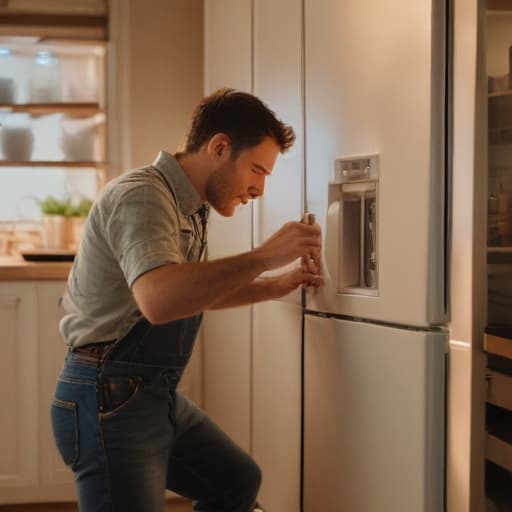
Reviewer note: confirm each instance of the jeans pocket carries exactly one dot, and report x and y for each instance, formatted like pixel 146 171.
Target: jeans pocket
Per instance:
pixel 65 429
pixel 117 393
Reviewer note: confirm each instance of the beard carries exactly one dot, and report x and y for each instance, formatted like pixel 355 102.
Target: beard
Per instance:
pixel 219 193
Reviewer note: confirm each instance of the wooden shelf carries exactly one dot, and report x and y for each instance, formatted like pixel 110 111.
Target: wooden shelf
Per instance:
pixel 499 249
pixel 36 163
pixel 498 451
pixel 38 109
pixel 99 43
pixel 499 389
pixel 499 5
pixel 498 345
pixel 499 94
pixel 499 255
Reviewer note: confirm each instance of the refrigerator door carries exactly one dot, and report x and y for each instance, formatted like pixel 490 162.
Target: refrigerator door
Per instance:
pixel 375 90
pixel 374 418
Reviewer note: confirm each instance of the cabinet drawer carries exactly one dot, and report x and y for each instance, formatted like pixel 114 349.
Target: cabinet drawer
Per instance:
pixel 499 389
pixel 498 451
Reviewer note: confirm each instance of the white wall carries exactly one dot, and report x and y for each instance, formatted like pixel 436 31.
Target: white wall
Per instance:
pixel 165 73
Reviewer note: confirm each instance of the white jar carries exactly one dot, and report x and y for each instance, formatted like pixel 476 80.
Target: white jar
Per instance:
pixel 17 137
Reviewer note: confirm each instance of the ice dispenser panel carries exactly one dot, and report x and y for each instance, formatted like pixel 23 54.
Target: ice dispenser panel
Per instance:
pixel 353 217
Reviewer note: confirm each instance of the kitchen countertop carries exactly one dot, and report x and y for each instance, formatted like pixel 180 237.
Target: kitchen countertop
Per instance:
pixel 15 268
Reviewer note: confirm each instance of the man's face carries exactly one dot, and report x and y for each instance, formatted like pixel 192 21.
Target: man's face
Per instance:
pixel 235 182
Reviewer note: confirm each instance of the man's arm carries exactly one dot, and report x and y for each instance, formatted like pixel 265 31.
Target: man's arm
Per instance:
pixel 176 291
pixel 268 288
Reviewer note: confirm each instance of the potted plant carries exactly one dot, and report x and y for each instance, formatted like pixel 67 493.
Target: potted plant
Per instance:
pixel 63 221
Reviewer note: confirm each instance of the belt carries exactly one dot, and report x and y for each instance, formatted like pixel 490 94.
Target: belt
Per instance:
pixel 94 350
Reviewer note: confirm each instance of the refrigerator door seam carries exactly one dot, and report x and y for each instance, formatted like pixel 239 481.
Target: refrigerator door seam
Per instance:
pixel 431 328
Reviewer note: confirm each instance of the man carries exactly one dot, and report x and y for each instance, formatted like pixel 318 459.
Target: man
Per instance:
pixel 136 293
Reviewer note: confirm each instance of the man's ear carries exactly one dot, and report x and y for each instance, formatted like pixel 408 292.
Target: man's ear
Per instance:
pixel 219 144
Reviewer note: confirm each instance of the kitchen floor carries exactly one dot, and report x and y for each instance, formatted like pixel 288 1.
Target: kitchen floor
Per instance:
pixel 173 505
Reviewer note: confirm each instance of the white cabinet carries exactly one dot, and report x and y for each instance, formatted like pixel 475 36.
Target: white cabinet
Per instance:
pixel 52 351
pixel 18 387
pixel 278 81
pixel 33 353
pixel 276 398
pixel 276 361
pixel 252 355
pixel 227 333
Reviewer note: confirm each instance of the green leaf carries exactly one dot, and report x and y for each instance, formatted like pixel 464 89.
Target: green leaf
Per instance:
pixel 66 207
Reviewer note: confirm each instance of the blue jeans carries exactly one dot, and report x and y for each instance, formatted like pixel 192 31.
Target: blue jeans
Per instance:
pixel 128 435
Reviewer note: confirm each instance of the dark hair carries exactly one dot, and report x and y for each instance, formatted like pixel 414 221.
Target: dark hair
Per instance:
pixel 245 119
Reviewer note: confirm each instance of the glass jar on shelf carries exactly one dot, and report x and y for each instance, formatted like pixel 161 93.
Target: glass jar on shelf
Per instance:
pixel 45 78
pixel 7 83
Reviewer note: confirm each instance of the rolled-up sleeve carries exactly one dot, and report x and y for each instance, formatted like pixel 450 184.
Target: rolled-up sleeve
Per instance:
pixel 143 230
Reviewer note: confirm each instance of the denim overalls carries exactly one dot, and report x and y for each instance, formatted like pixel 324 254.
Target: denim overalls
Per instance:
pixel 128 435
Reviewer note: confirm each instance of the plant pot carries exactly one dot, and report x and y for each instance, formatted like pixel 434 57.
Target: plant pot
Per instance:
pixel 77 228
pixel 57 232
pixel 62 233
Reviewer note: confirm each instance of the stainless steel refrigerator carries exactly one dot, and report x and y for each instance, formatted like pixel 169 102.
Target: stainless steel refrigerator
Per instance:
pixel 377 125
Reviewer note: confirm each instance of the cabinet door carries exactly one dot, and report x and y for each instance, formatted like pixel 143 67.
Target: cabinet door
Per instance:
pixel 52 350
pixel 278 81
pixel 277 403
pixel 227 333
pixel 18 387
pixel 277 325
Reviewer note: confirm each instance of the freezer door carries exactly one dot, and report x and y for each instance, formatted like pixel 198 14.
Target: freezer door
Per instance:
pixel 375 88
pixel 374 418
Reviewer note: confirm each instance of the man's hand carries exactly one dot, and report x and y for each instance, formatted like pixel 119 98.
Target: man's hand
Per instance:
pixel 294 240
pixel 270 288
pixel 175 291
pixel 286 283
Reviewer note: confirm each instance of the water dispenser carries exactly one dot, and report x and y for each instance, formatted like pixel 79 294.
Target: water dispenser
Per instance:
pixel 353 223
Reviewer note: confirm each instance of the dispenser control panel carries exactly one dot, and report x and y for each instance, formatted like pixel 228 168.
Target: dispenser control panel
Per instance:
pixel 354 197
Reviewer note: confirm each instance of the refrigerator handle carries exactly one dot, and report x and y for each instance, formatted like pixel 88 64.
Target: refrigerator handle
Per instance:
pixel 332 247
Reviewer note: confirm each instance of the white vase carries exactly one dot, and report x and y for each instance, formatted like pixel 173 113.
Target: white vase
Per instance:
pixel 17 137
